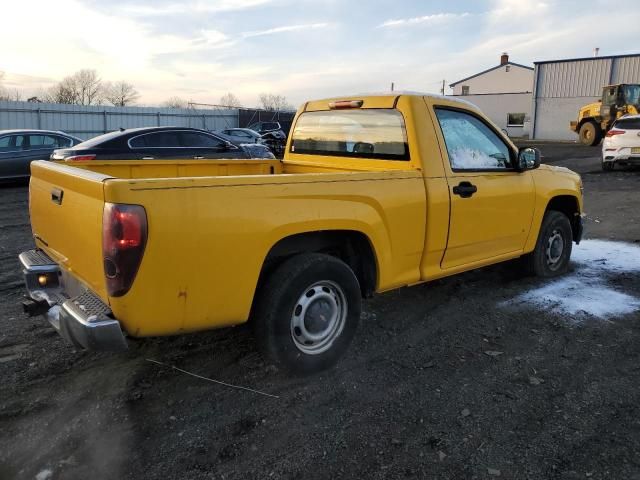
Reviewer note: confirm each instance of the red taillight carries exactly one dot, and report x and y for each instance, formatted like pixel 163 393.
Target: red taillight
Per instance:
pixel 124 237
pixel 345 104
pixel 612 133
pixel 79 158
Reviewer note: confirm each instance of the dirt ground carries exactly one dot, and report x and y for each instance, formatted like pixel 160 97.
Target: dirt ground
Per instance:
pixel 443 380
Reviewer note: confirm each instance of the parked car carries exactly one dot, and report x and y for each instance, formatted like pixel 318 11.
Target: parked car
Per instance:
pixel 18 148
pixel 621 144
pixel 272 135
pixel 160 142
pixel 370 197
pixel 243 135
pixel 267 127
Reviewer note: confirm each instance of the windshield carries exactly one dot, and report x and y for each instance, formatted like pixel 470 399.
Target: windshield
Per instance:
pixel 632 94
pixel 352 133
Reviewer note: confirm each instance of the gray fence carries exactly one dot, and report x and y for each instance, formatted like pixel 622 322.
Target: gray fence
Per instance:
pixel 87 122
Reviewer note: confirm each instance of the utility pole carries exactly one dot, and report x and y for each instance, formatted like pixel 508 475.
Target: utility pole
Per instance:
pixel 443 82
pixel 392 86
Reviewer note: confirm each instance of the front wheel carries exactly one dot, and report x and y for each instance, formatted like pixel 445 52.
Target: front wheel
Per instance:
pixel 307 312
pixel 590 134
pixel 551 255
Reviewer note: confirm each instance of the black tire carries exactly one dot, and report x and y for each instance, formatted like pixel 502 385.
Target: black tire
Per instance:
pixel 590 134
pixel 546 260
pixel 284 302
pixel 608 166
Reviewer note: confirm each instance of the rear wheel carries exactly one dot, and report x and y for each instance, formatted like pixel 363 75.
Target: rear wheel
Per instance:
pixel 590 134
pixel 553 248
pixel 307 312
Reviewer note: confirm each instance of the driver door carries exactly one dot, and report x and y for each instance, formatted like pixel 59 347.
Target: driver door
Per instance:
pixel 491 203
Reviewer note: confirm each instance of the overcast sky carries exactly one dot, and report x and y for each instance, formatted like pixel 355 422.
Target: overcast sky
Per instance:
pixel 200 49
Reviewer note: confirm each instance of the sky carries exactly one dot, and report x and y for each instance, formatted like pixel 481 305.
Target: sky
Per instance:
pixel 303 49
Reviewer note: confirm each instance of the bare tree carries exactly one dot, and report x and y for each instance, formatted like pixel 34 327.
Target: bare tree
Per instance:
pixel 175 102
pixel 120 94
pixel 62 92
pixel 10 95
pixel 230 100
pixel 89 87
pixel 274 102
pixel 82 88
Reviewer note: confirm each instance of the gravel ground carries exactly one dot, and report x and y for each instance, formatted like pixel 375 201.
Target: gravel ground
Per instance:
pixel 445 380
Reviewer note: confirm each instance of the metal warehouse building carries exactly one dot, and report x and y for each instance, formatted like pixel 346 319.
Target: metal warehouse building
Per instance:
pixel 561 87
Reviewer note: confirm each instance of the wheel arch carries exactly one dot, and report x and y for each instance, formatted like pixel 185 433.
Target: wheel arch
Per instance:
pixel 353 247
pixel 570 206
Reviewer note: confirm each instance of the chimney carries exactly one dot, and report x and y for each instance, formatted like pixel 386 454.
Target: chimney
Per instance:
pixel 596 51
pixel 504 59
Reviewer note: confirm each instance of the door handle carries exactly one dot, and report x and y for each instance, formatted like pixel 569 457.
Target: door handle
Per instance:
pixel 465 189
pixel 198 157
pixel 148 158
pixel 56 196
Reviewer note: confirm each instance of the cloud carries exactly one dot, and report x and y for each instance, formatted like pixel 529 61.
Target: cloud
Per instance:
pixel 288 28
pixel 512 9
pixel 435 18
pixel 191 7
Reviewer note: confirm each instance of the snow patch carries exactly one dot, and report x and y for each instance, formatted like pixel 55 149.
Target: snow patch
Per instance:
pixel 44 474
pixel 586 292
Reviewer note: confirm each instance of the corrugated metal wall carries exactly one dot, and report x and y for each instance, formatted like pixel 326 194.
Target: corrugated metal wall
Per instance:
pixel 562 87
pixel 87 122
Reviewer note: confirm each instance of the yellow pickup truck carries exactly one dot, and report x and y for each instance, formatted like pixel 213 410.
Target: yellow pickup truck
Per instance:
pixel 375 192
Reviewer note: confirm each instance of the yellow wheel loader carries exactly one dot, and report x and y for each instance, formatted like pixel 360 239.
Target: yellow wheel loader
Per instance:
pixel 595 119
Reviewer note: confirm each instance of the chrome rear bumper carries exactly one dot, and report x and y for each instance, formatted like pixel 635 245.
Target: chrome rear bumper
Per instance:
pixel 83 319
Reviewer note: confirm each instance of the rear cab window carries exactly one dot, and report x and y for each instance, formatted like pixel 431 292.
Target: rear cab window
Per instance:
pixel 363 133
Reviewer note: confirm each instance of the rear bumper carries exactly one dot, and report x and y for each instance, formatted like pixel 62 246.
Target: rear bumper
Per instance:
pixel 622 155
pixel 83 319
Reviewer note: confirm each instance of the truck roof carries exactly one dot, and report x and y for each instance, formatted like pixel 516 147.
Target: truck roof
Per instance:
pixel 391 95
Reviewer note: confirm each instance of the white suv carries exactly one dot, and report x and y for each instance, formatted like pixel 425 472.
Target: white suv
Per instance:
pixel 622 143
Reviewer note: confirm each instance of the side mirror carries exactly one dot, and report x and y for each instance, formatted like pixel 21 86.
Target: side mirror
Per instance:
pixel 528 159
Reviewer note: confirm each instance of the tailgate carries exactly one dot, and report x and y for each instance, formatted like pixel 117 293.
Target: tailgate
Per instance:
pixel 66 205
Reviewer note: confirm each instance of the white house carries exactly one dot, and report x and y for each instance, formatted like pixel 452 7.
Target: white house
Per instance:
pixel 503 93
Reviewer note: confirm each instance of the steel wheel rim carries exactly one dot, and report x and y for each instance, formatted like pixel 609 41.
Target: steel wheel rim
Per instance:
pixel 555 249
pixel 318 317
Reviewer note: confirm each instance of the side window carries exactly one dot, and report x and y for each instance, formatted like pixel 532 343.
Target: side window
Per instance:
pixel 36 142
pixel 157 140
pixel 609 96
pixel 471 144
pixel 63 142
pixel 199 140
pixel 5 144
pixel 20 141
pixel 515 119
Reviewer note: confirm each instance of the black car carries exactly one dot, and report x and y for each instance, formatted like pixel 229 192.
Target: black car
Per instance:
pixel 18 148
pixel 160 142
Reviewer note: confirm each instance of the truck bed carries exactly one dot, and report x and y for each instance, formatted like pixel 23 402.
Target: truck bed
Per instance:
pixel 211 225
